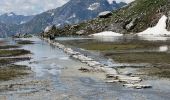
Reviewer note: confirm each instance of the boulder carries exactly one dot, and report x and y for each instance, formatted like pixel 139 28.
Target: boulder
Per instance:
pixel 47 29
pixel 131 25
pixel 81 32
pixel 105 14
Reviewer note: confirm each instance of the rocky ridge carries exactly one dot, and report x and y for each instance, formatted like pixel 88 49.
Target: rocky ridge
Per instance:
pixel 135 17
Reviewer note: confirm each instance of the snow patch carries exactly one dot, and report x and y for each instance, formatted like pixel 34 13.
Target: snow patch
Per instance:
pixel 10 14
pixel 94 6
pixel 110 1
pixel 118 1
pixel 22 22
pixel 72 16
pixel 158 30
pixel 52 14
pixel 107 33
pixel 163 48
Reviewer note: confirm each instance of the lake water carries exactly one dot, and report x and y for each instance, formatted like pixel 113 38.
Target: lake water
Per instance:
pixel 52 64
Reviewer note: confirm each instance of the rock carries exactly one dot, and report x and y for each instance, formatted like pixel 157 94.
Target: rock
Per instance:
pixel 112 81
pixel 48 28
pixel 129 79
pixel 84 70
pixel 137 86
pixel 105 14
pixel 110 71
pixel 127 73
pixel 131 25
pixel 22 35
pixel 81 32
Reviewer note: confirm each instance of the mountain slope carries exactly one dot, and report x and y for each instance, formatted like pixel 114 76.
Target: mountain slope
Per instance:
pixel 133 18
pixel 74 11
pixel 12 18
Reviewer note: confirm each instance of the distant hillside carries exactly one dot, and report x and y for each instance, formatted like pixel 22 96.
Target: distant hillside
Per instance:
pixel 74 11
pixel 12 18
pixel 133 18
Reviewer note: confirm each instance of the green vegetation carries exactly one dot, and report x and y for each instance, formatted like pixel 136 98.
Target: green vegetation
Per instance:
pixel 140 57
pixel 119 46
pixel 8 46
pixel 114 46
pixel 6 61
pixel 12 71
pixel 161 71
pixel 8 53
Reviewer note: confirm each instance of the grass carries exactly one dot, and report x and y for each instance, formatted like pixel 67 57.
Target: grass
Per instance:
pixel 6 61
pixel 140 57
pixel 8 46
pixel 116 46
pixel 18 52
pixel 12 71
pixel 161 71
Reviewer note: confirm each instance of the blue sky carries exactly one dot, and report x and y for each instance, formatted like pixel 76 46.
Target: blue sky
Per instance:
pixel 32 7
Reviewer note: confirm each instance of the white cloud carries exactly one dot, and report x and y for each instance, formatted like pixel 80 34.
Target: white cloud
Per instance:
pixel 29 7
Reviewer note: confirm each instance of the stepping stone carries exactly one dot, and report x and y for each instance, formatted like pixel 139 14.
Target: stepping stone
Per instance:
pixel 137 86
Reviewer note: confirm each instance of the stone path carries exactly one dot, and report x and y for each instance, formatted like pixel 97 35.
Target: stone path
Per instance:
pixel 112 74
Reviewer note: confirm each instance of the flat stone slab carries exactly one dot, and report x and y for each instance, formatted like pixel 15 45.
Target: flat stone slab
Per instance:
pixel 110 71
pixel 112 81
pixel 128 79
pixel 137 86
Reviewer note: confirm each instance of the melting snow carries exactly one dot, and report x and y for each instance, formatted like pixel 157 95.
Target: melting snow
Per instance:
pixel 158 30
pixel 107 33
pixel 163 48
pixel 94 6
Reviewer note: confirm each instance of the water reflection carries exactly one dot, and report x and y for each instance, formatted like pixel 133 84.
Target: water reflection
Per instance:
pixel 127 38
pixel 163 48
pixel 154 38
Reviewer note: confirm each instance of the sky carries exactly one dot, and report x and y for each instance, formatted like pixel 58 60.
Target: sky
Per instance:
pixel 29 7
pixel 32 7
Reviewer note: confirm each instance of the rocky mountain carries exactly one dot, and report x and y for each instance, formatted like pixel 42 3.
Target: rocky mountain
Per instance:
pixel 134 18
pixel 74 11
pixel 12 18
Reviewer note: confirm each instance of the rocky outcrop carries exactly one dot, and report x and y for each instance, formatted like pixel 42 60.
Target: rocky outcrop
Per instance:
pixel 134 18
pixel 105 14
